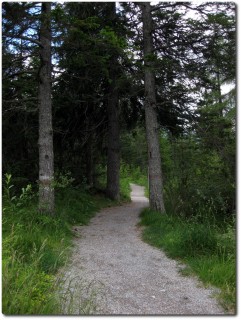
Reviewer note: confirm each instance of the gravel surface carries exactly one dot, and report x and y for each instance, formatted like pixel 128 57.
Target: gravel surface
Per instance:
pixel 113 272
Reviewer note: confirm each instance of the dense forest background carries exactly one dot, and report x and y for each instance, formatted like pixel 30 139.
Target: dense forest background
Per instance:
pixel 96 93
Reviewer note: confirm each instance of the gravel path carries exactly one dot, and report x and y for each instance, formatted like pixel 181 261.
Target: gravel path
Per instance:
pixel 114 272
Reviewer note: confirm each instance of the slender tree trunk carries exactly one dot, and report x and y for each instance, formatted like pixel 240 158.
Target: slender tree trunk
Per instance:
pixel 152 128
pixel 89 155
pixel 46 154
pixel 219 87
pixel 113 153
pixel 220 100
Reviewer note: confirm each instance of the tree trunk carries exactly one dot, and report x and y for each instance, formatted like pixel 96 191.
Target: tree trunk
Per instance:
pixel 89 155
pixel 113 153
pixel 152 128
pixel 46 154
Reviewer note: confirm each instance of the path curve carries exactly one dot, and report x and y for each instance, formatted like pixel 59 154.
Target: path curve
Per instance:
pixel 115 272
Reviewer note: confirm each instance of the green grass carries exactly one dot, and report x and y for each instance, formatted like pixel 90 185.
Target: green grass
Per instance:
pixel 35 247
pixel 207 249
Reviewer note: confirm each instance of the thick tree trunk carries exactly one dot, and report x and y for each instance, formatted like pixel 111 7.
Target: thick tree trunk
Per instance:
pixel 46 154
pixel 113 153
pixel 152 128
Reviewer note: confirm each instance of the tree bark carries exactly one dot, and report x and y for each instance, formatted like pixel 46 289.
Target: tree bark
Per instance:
pixel 46 154
pixel 152 127
pixel 113 152
pixel 89 154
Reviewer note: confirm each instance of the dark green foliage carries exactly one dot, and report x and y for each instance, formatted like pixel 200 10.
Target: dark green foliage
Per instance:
pixel 84 41
pixel 82 91
pixel 196 180
pixel 134 148
pixel 19 94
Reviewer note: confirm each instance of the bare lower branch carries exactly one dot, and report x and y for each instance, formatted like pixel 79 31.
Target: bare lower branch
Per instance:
pixel 23 38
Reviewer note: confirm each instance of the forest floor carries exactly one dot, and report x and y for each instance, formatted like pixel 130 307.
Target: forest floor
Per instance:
pixel 112 271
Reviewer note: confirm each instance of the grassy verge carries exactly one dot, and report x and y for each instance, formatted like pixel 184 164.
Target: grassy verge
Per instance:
pixel 36 246
pixel 205 247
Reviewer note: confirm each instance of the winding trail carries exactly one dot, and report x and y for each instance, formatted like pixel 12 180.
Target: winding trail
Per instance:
pixel 114 272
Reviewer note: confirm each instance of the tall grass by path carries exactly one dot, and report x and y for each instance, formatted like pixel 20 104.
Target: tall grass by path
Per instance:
pixel 35 247
pixel 208 249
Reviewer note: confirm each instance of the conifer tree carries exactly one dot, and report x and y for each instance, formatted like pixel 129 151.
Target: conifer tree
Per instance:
pixel 152 127
pixel 46 153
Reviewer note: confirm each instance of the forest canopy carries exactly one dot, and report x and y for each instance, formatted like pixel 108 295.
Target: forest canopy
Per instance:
pixel 95 88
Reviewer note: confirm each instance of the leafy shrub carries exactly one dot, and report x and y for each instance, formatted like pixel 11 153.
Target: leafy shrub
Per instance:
pixel 196 180
pixel 63 180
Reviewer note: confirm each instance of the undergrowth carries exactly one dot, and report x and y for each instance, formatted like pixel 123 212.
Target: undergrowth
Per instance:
pixel 128 174
pixel 35 246
pixel 206 247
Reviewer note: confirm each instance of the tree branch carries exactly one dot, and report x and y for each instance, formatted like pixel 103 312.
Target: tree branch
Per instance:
pixel 164 6
pixel 24 38
pixel 11 75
